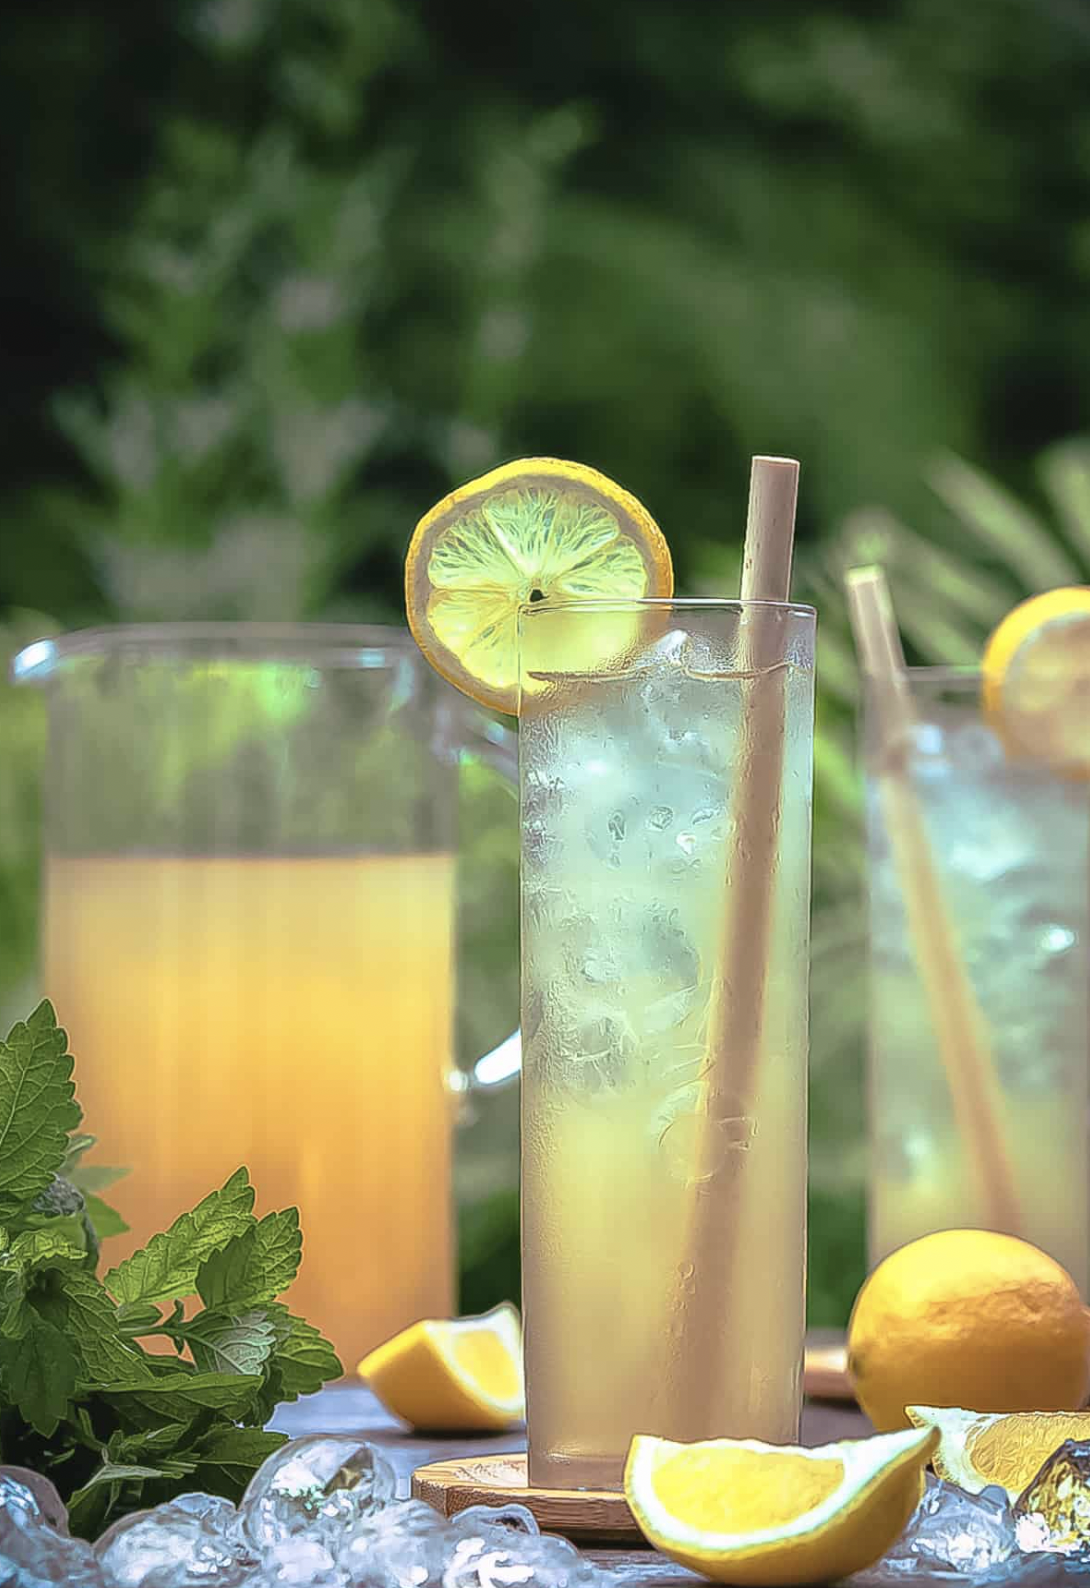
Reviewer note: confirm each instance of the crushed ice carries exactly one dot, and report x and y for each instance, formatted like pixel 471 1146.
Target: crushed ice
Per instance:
pixel 321 1513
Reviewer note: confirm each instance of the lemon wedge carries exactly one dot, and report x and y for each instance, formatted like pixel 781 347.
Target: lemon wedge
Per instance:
pixel 1037 680
pixel 748 1513
pixel 1007 1448
pixel 452 1373
pixel 537 531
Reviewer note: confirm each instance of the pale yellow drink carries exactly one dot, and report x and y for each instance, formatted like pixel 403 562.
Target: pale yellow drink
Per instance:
pixel 1010 842
pixel 629 782
pixel 290 1014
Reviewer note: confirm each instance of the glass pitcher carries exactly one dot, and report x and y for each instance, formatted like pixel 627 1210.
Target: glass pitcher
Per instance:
pixel 248 932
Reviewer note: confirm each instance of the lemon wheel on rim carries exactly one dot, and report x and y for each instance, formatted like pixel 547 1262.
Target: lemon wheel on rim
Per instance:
pixel 541 530
pixel 1037 680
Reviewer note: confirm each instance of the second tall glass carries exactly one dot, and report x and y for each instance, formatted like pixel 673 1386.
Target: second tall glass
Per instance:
pixel 664 1072
pixel 1009 838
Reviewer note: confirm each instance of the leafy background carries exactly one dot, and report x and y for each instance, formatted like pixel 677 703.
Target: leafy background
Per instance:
pixel 278 273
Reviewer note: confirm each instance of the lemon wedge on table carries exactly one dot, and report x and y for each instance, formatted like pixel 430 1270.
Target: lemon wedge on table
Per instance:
pixel 1006 1448
pixel 452 1374
pixel 1037 680
pixel 539 531
pixel 743 1512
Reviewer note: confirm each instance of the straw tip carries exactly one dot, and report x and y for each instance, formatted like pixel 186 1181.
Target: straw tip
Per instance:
pixel 764 460
pixel 867 573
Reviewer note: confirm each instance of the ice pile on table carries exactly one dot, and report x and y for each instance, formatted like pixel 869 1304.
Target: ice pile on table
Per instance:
pixel 1043 1538
pixel 321 1513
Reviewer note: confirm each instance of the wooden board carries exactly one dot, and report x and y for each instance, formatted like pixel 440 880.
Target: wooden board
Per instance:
pixel 583 1515
pixel 825 1370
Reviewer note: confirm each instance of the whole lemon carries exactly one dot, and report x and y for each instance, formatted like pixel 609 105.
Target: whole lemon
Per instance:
pixel 968 1318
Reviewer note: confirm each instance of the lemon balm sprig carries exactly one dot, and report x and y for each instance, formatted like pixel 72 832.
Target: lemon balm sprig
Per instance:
pixel 81 1400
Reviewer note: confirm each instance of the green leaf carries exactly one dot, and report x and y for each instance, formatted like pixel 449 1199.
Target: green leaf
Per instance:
pixel 106 1220
pixel 305 1359
pixel 1065 473
pixel 167 1266
pixel 40 1373
pixel 138 1318
pixel 256 1266
pixel 78 1144
pixel 37 1108
pixel 181 1397
pixel 224 1344
pixel 76 1302
pixel 227 1458
pixel 112 1472
pixel 91 1507
pixel 162 1442
pixel 47 1248
pixel 96 1176
pixel 1001 524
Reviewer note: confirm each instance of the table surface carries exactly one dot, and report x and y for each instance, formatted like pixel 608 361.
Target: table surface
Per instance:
pixel 348 1408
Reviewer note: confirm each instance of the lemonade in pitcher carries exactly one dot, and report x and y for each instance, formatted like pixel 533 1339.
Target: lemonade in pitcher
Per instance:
pixel 289 1013
pixel 248 933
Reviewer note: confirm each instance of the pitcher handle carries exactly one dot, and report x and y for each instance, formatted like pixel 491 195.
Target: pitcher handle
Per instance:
pixel 497 746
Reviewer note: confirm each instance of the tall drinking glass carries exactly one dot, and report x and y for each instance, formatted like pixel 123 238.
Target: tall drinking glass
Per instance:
pixel 1011 844
pixel 663 1173
pixel 248 929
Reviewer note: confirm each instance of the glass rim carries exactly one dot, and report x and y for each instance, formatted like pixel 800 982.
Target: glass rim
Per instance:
pixel 946 673
pixel 351 644
pixel 665 603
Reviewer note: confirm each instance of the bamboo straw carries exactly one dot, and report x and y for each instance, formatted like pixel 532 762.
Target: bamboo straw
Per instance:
pixel 960 1029
pixel 737 1017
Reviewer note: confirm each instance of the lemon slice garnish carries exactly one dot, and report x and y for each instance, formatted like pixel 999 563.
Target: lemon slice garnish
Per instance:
pixel 537 531
pixel 1037 680
pixel 743 1512
pixel 452 1373
pixel 1007 1448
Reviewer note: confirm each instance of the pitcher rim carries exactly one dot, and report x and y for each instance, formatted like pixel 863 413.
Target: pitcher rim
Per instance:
pixel 351 644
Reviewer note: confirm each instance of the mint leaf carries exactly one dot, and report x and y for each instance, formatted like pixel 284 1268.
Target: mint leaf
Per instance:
pixel 113 1472
pixel 162 1444
pixel 167 1266
pixel 75 1301
pixel 40 1373
pixel 138 1318
pixel 304 1359
pixel 47 1248
pixel 78 1144
pixel 227 1458
pixel 223 1344
pixel 88 1176
pixel 37 1108
pixel 254 1267
pixel 91 1508
pixel 105 1219
pixel 181 1397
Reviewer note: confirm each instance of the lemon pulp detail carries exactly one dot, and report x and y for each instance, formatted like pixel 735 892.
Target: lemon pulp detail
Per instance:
pixel 485 1357
pixel 745 1491
pixel 536 532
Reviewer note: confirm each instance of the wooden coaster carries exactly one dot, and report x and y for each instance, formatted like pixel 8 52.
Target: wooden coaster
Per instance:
pixel 825 1370
pixel 583 1515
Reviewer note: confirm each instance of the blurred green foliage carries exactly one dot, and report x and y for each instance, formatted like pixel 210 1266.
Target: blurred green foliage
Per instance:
pixel 283 271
